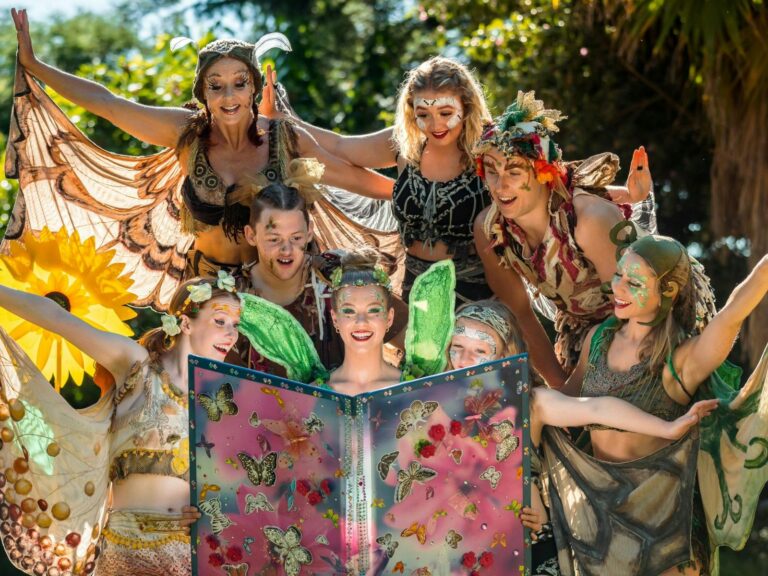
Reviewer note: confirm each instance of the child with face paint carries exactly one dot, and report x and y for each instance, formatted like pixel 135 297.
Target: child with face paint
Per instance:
pixel 485 331
pixel 129 451
pixel 283 273
pixel 547 229
pixel 656 351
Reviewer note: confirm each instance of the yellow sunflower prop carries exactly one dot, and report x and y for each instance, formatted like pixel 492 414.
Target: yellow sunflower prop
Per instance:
pixel 79 279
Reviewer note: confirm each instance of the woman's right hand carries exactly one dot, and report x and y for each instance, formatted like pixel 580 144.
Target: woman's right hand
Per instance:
pixel 268 105
pixel 26 53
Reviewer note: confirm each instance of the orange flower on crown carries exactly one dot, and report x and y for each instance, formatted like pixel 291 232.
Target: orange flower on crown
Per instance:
pixel 546 172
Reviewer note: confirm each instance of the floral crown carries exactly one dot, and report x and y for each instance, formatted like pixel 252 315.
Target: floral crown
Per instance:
pixel 198 293
pixel 380 278
pixel 525 129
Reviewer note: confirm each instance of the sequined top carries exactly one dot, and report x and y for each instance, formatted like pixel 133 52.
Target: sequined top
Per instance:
pixel 638 385
pixel 556 268
pixel 209 201
pixel 439 211
pixel 151 434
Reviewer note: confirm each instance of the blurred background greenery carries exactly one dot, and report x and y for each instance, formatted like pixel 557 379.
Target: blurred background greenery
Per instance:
pixel 687 79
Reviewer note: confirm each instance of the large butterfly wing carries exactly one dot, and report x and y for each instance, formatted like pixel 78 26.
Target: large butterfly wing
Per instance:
pixel 424 474
pixel 506 447
pixel 428 408
pixel 295 558
pixel 385 463
pixel 224 399
pixel 210 407
pixel 277 537
pixel 269 468
pixel 404 485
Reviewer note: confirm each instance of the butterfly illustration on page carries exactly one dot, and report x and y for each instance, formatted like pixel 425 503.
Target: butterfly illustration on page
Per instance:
pixel 313 424
pixel 258 503
pixel 254 420
pixel 236 569
pixel 221 404
pixel 298 441
pixel 205 445
pixel 418 412
pixel 385 463
pixel 492 475
pixel 260 470
pixel 478 408
pixel 208 488
pixel 322 539
pixel 405 479
pixel 212 509
pixel 288 549
pixel 453 538
pixel 503 434
pixel 247 541
pixel 388 543
pixel 418 530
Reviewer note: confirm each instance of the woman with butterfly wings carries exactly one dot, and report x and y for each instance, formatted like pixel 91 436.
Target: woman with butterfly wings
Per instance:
pixel 129 449
pixel 486 331
pixel 180 212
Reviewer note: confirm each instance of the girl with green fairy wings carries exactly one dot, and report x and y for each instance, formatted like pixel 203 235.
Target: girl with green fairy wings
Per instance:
pixel 487 330
pixel 363 309
pixel 629 506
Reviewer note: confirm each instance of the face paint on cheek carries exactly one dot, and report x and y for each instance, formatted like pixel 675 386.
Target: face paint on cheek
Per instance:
pixel 640 293
pixel 478 335
pixel 421 124
pixel 454 121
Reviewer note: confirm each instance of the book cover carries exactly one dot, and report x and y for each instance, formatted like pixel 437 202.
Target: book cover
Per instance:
pixel 425 477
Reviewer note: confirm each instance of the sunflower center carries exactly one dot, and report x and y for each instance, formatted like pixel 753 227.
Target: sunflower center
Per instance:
pixel 60 299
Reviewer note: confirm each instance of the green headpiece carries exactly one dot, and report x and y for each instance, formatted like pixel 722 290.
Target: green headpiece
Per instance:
pixel 525 128
pixel 663 255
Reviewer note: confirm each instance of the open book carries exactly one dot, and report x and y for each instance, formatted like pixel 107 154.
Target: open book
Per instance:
pixel 424 477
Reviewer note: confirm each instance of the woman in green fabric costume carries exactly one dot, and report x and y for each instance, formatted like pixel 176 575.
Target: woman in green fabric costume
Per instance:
pixel 635 492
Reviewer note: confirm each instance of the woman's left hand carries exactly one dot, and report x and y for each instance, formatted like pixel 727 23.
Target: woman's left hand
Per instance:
pixel 639 182
pixel 532 519
pixel 699 410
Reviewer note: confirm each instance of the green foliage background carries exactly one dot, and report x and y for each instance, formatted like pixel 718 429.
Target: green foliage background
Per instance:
pixel 349 59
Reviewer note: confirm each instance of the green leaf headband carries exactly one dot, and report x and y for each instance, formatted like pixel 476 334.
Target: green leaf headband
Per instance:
pixel 198 293
pixel 380 278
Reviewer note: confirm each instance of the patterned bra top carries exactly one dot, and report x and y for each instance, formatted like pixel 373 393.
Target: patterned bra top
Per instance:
pixel 209 201
pixel 637 385
pixel 439 211
pixel 151 434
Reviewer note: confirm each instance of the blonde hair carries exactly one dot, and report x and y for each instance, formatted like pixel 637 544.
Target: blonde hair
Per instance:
pixel 439 73
pixel 492 313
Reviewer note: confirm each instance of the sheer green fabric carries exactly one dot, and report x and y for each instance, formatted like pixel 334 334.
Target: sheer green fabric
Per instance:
pixel 733 458
pixel 430 321
pixel 278 336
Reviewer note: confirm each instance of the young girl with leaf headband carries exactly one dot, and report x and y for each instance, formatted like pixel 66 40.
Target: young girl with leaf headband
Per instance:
pixel 129 451
pixel 661 348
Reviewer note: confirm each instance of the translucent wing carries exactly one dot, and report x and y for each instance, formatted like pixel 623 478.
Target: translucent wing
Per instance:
pixel 430 320
pixel 277 335
pixel 179 42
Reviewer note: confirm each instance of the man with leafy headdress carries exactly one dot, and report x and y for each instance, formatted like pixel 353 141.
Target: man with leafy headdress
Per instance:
pixel 547 229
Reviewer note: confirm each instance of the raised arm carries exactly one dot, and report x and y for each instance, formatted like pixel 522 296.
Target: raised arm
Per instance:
pixel 375 150
pixel 344 175
pixel 552 408
pixel 697 358
pixel 509 287
pixel 116 353
pixel 595 217
pixel 152 124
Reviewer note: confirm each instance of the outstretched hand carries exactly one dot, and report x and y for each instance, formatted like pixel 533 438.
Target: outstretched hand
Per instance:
pixel 678 428
pixel 639 182
pixel 26 53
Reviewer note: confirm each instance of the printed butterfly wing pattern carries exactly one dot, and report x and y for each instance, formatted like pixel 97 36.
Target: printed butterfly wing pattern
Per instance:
pixel 447 454
pixel 248 473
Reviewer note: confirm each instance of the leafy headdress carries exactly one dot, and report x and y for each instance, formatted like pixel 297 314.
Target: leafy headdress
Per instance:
pixel 525 129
